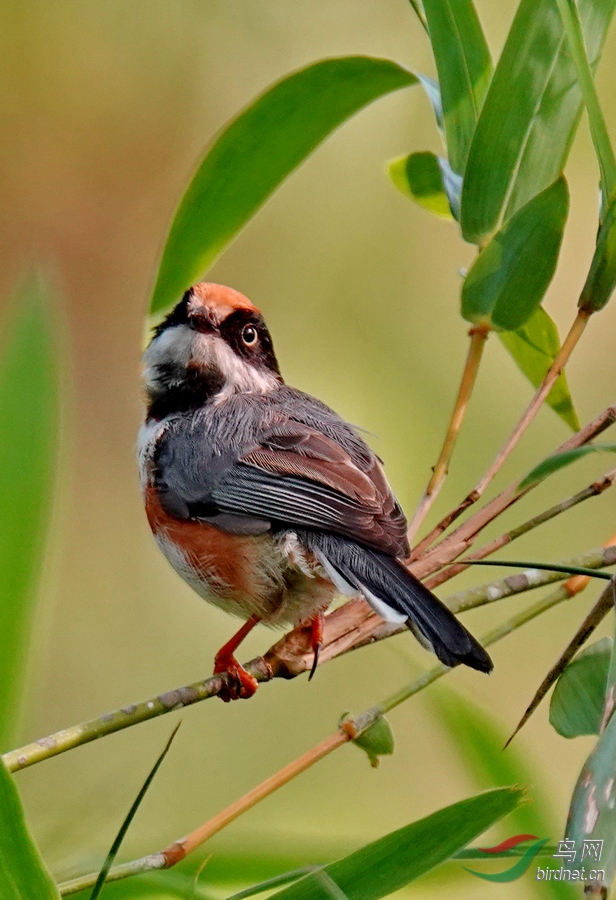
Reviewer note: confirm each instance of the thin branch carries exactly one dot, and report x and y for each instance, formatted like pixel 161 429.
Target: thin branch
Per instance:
pixel 464 535
pixel 478 336
pixel 569 344
pixel 593 490
pixel 581 437
pixel 347 628
pixel 349 730
pixel 588 626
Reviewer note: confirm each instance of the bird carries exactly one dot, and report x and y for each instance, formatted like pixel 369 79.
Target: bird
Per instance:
pixel 263 499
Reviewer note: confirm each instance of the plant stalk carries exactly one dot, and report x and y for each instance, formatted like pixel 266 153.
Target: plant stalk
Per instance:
pixel 349 730
pixel 478 336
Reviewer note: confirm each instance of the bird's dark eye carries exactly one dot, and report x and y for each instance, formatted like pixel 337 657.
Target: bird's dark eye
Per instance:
pixel 249 335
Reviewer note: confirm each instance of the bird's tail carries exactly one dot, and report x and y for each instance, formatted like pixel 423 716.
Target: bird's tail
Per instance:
pixel 397 596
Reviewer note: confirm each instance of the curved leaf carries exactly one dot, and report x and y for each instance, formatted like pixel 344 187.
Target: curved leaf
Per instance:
pixel 576 706
pixel 23 875
pixel 464 70
pixel 592 814
pixel 601 279
pixel 509 278
pixel 534 348
pixel 559 460
pixel 28 433
pixel 530 114
pixel 256 152
pixel 402 856
pixel 419 177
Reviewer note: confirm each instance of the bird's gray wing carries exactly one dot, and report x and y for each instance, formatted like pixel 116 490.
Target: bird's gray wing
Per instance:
pixel 295 476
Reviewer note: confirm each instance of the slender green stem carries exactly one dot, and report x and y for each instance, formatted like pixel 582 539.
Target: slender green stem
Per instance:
pixel 547 567
pixel 128 716
pixel 350 729
pixel 607 162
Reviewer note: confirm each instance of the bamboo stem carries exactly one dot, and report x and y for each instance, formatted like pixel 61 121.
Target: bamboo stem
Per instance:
pixel 478 336
pixel 350 729
pixel 602 422
pixel 373 629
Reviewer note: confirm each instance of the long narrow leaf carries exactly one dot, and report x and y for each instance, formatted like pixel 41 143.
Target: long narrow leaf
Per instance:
pixel 534 348
pixel 509 278
pixel 28 436
pixel 601 279
pixel 402 856
pixel 575 37
pixel 530 114
pixel 256 152
pixel 23 875
pixel 464 70
pixel 117 843
pixel 560 460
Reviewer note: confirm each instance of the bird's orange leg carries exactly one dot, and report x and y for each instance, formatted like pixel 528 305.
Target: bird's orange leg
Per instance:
pixel 316 626
pixel 240 685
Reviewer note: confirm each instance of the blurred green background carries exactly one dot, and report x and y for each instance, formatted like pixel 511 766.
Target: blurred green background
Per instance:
pixel 105 110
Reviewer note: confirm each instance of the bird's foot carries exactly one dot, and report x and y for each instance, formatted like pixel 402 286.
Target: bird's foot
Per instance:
pixel 239 684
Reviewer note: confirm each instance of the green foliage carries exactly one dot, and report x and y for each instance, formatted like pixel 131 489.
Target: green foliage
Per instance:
pixel 534 348
pixel 377 741
pixel 570 15
pixel 419 176
pixel 601 278
pixel 402 856
pixel 117 842
pixel 560 460
pixel 510 276
pixel 479 742
pixel 529 115
pixel 592 814
pixel 464 70
pixel 28 437
pixel 577 703
pixel 256 152
pixel 23 875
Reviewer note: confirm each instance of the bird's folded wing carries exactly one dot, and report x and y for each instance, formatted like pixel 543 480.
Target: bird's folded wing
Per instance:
pixel 301 477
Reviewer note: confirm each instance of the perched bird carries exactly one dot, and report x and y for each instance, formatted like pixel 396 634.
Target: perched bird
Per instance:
pixel 262 498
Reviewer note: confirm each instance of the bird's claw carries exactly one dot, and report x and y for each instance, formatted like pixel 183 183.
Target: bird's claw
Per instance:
pixel 239 684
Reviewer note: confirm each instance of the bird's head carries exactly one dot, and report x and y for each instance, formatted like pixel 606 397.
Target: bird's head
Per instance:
pixel 212 344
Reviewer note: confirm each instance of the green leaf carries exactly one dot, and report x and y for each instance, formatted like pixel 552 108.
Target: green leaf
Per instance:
pixel 576 706
pixel 529 115
pixel 402 856
pixel 534 348
pixel 378 740
pixel 601 279
pixel 509 278
pixel 479 740
pixel 28 436
pixel 117 842
pixel 256 152
pixel 464 70
pixel 592 814
pixel 570 15
pixel 419 177
pixel 23 875
pixel 559 460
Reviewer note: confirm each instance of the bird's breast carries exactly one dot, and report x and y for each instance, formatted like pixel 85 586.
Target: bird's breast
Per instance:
pixel 243 574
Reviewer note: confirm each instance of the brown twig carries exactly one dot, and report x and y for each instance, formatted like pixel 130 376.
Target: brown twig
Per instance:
pixel 461 539
pixel 601 608
pixel 349 730
pixel 345 629
pixel 478 336
pixel 575 333
pixel 593 490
